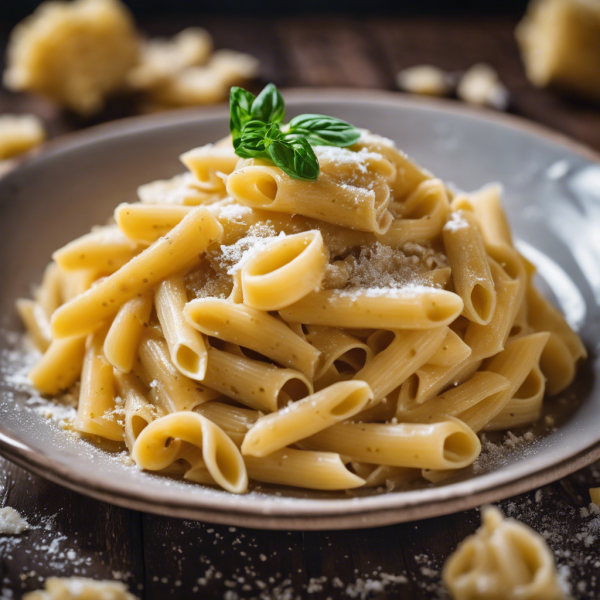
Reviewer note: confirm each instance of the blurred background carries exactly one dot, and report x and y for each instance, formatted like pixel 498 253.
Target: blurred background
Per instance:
pixel 538 60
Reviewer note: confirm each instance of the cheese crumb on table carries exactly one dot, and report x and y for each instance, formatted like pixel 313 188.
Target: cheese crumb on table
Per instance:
pixel 481 85
pixel 426 80
pixel 74 53
pixel 163 58
pixel 80 588
pixel 11 522
pixel 560 45
pixel 19 133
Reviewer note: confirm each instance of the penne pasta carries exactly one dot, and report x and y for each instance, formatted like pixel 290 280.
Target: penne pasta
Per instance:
pixel 251 328
pixel 173 253
pixel 145 223
pixel 448 444
pixel 160 444
pixel 415 307
pixel 123 337
pixel 186 345
pixel 302 468
pixel 284 271
pixel 97 411
pixel 470 269
pixel 302 419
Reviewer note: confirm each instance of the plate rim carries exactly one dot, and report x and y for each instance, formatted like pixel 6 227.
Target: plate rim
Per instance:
pixel 322 514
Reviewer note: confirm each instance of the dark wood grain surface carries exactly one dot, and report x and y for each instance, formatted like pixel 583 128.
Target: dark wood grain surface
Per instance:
pixel 160 557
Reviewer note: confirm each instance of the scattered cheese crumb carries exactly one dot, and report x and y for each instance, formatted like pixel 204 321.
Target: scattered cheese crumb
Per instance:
pixel 163 58
pixel 11 522
pixel 75 53
pixel 481 85
pixel 426 80
pixel 80 588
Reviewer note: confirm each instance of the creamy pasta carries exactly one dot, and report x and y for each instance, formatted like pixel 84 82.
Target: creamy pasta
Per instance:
pixel 239 323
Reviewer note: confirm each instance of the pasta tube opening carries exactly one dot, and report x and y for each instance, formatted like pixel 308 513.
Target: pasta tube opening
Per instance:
pixel 534 382
pixel 482 302
pixel 460 447
pixel 285 271
pixel 188 361
pixel 253 187
pixel 138 423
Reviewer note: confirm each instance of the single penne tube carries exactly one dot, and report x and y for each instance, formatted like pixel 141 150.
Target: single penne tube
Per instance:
pixel 59 367
pixel 234 421
pixel 145 223
pixel 256 384
pixel 104 250
pixel 423 215
pixel 448 444
pixel 284 271
pixel 36 322
pixel 254 329
pixel 416 307
pixel 408 174
pixel 174 253
pixel 336 345
pixel 470 269
pixel 159 445
pixel 97 411
pixel 139 411
pixel 306 417
pixel 48 294
pixel 525 406
pixel 490 215
pixel 487 340
pixel 124 335
pixel 545 317
pixel 303 468
pixel 407 351
pixel 361 205
pixel 557 365
pixel 451 351
pixel 186 344
pixel 172 390
pixel 180 190
pixel 207 162
pixel 514 363
pixel 480 386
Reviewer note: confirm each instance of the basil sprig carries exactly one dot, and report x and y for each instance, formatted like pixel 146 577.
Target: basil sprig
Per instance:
pixel 255 124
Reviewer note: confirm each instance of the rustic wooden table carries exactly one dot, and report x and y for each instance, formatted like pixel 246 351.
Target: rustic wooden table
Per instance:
pixel 160 557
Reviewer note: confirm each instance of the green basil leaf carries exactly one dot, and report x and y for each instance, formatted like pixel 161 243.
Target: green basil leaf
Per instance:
pixel 251 143
pixel 321 130
pixel 255 139
pixel 295 157
pixel 240 110
pixel 269 105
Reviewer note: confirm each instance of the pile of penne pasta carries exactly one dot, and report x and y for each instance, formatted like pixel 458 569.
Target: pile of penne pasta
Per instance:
pixel 358 330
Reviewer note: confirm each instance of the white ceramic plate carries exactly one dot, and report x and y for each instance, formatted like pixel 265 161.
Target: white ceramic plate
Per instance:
pixel 552 194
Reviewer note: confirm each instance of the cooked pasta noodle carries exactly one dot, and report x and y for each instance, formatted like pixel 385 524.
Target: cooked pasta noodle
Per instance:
pixel 357 330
